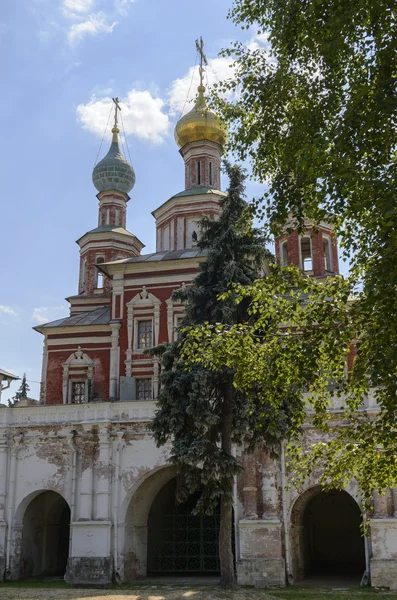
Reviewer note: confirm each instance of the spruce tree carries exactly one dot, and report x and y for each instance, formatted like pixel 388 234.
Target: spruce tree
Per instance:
pixel 200 411
pixel 21 393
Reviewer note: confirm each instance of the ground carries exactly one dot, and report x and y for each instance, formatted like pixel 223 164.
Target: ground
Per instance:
pixel 59 591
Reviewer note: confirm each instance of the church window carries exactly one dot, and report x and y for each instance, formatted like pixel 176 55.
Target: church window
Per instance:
pixel 327 254
pixel 145 334
pixel 306 254
pixel 117 216
pixel 198 172
pixel 107 216
pixel 144 389
pixel 284 253
pixel 99 278
pixel 83 271
pixel 210 174
pixel 78 392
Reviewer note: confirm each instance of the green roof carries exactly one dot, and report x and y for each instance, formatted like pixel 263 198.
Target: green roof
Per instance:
pixel 198 190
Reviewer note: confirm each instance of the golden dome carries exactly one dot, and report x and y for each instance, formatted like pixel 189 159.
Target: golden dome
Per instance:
pixel 200 124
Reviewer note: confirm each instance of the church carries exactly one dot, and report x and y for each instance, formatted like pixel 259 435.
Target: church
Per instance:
pixel 85 494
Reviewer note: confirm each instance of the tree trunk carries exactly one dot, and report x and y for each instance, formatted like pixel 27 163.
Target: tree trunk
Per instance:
pixel 228 578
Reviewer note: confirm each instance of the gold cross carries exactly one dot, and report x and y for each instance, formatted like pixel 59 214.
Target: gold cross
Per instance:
pixel 118 107
pixel 203 58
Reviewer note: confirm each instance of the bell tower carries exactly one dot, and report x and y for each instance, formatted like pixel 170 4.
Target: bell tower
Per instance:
pixel 114 178
pixel 315 252
pixel 201 138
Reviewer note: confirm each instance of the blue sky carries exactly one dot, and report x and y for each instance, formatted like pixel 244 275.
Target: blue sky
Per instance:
pixel 61 62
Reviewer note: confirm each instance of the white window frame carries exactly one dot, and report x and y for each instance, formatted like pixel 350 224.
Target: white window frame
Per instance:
pixel 327 239
pixel 136 326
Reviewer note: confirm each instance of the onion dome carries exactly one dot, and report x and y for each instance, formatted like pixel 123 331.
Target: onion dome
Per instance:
pixel 200 124
pixel 114 172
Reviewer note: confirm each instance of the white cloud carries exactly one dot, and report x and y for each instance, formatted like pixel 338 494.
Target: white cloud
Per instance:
pixel 184 90
pixel 142 114
pixel 43 314
pixel 121 6
pixel 7 310
pixel 94 24
pixel 77 6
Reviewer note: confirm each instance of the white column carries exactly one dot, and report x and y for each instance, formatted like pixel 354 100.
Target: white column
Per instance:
pixel 156 323
pixel 130 322
pixel 170 319
pixel 114 361
pixel 44 372
pixel 102 473
pixel 65 383
pixel 156 372
pixel 3 476
pixel 17 439
pixel 86 477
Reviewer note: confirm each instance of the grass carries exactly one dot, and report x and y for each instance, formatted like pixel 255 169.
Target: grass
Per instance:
pixel 58 590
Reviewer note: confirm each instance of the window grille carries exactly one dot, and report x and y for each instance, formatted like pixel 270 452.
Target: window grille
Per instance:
pixel 78 392
pixel 145 334
pixel 144 389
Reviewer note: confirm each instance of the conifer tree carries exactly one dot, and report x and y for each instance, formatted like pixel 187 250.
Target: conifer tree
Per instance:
pixel 21 393
pixel 200 412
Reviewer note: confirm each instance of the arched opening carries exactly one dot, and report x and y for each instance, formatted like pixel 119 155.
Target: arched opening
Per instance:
pixel 327 537
pixel 144 536
pixel 180 542
pixel 45 536
pixel 306 254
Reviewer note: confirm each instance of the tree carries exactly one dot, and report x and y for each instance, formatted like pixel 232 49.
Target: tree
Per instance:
pixel 316 115
pixel 200 410
pixel 21 393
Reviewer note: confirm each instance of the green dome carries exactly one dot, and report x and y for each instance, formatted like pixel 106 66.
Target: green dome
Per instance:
pixel 113 172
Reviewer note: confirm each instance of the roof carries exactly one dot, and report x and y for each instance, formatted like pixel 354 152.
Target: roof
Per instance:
pixel 7 374
pixel 107 229
pixel 164 256
pixel 115 228
pixel 98 316
pixel 197 191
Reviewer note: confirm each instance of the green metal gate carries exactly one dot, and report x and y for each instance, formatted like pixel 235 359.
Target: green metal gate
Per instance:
pixel 186 543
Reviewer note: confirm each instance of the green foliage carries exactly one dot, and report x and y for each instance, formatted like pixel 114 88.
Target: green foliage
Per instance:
pixel 195 400
pixel 316 117
pixel 21 393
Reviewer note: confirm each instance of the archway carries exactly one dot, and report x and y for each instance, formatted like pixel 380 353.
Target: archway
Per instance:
pixel 327 536
pixel 45 536
pixel 180 542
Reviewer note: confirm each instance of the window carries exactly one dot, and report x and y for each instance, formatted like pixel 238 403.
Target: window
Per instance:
pixel 99 278
pixel 306 254
pixel 327 254
pixel 144 389
pixel 83 271
pixel 198 172
pixel 210 174
pixel 78 392
pixel 117 216
pixel 284 253
pixel 145 334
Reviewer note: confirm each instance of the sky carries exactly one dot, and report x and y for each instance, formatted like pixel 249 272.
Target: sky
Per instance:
pixel 61 61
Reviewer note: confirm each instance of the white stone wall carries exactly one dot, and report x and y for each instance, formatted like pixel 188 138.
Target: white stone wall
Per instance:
pixel 102 460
